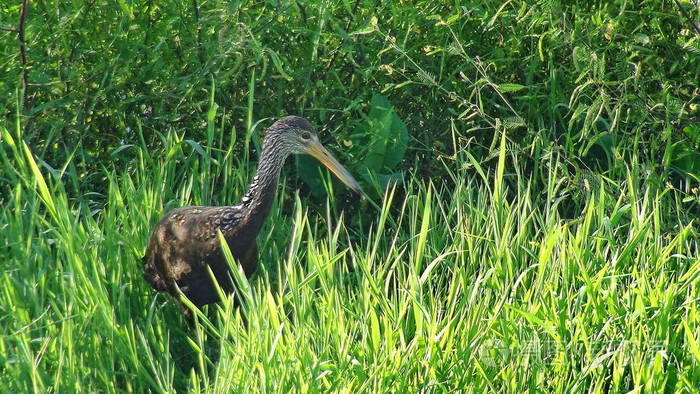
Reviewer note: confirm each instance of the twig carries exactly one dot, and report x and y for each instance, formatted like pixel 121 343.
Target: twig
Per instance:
pixel 200 49
pixel 688 17
pixel 302 10
pixel 347 27
pixel 11 30
pixel 46 83
pixel 23 48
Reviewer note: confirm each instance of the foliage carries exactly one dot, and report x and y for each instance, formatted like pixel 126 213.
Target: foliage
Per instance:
pixel 388 139
pixel 597 81
pixel 544 235
pixel 387 134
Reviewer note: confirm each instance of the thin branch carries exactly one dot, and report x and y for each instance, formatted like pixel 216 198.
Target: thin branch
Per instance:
pixel 688 17
pixel 23 48
pixel 11 30
pixel 302 10
pixel 200 49
pixel 46 83
pixel 347 27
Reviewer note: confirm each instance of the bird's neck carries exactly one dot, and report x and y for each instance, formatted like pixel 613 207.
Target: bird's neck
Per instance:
pixel 256 203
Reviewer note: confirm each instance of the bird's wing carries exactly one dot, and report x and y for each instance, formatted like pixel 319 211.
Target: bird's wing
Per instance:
pixel 182 240
pixel 164 260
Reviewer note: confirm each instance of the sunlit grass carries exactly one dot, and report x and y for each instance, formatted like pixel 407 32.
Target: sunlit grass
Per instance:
pixel 478 285
pixel 544 234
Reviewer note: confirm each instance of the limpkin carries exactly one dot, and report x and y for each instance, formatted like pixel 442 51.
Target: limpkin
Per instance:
pixel 185 241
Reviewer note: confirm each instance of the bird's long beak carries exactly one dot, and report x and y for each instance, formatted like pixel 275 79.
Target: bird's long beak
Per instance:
pixel 326 158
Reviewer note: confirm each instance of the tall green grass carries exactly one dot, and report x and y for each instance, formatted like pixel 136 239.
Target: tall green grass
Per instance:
pixel 482 285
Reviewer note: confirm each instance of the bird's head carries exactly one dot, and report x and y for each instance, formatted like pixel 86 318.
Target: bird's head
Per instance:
pixel 296 135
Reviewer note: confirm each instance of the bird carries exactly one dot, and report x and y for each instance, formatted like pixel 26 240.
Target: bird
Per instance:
pixel 185 240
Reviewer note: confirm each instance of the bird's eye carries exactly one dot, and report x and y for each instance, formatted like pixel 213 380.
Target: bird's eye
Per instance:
pixel 305 135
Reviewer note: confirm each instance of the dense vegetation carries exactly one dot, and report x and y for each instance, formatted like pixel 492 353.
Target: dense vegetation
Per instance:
pixel 533 168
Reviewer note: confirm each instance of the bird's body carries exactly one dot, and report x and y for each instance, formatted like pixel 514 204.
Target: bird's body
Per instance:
pixel 185 240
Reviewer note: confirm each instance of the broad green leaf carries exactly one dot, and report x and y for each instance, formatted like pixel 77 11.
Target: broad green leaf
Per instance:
pixel 510 87
pixel 388 136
